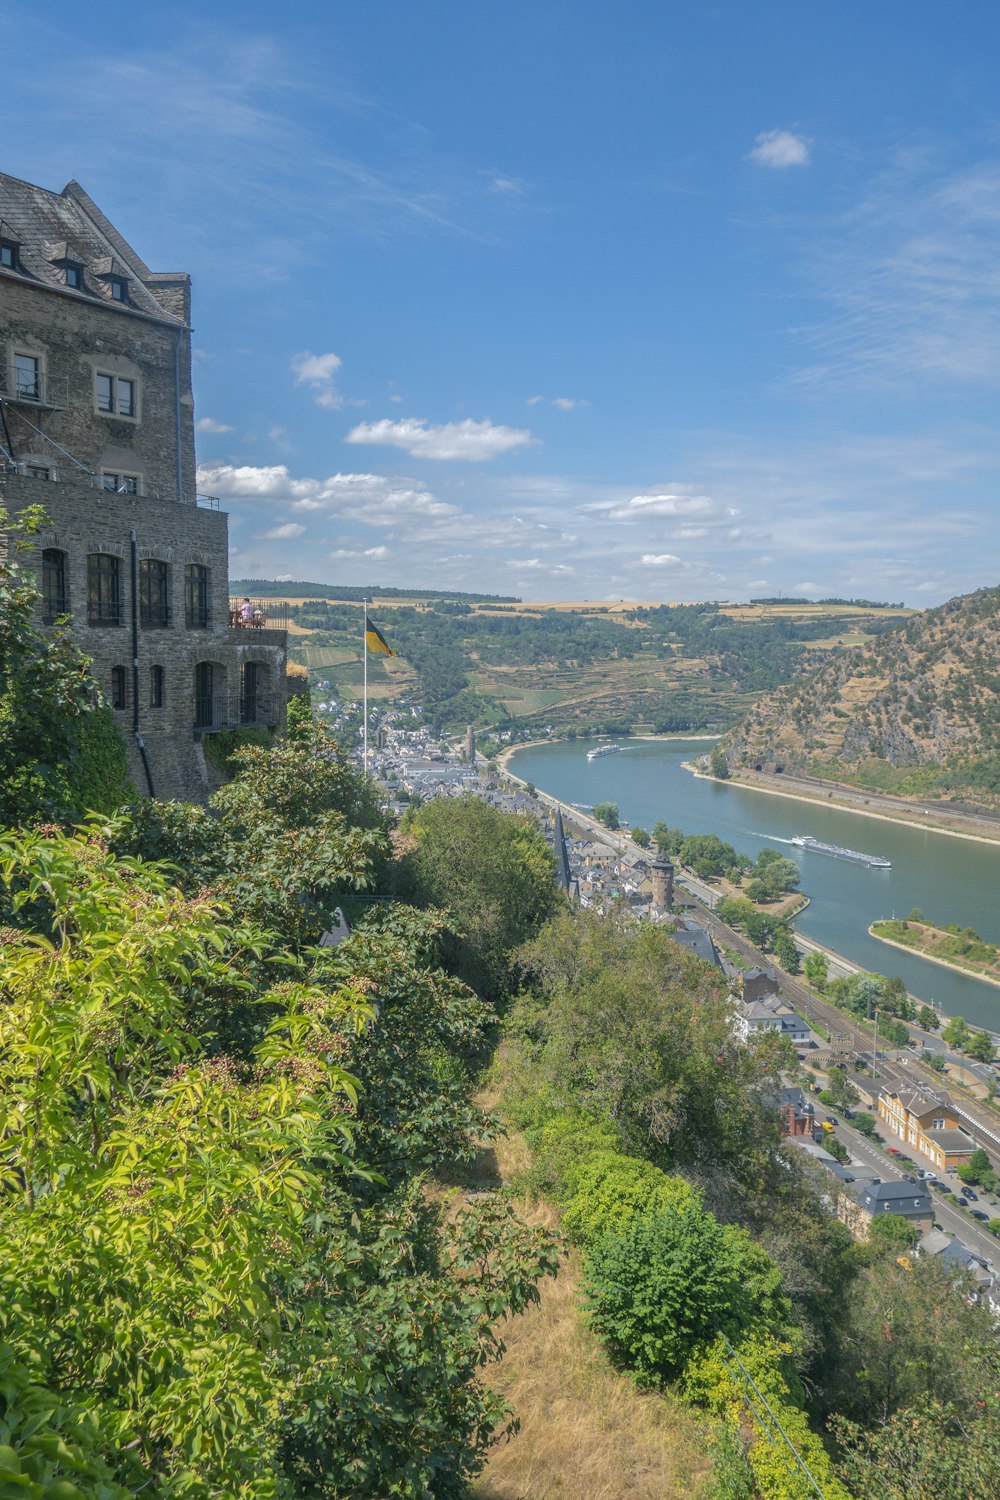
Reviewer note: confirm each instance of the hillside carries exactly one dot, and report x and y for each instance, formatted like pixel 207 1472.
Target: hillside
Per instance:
pixel 914 711
pixel 578 666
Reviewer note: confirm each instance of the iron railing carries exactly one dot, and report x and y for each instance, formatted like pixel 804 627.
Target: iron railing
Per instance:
pixel 258 614
pixel 219 711
pixel 155 616
pixel 104 611
pixel 35 389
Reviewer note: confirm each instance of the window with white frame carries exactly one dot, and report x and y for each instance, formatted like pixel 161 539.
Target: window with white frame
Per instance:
pixel 116 396
pixel 27 373
pixel 120 484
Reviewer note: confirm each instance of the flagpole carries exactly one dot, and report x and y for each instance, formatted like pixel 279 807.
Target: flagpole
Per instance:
pixel 364 653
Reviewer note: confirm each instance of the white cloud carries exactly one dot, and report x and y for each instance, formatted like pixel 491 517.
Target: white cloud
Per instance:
pixel 779 148
pixel 375 553
pixel 672 502
pixel 209 424
pixel 568 403
pixel 534 400
pixel 285 533
pixel 373 499
pixel 474 441
pixel 317 371
pixel 508 185
pixel 806 588
pixel 658 559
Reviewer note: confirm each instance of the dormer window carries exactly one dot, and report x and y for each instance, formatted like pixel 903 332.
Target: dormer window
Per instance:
pixel 74 275
pixel 118 287
pixel 8 255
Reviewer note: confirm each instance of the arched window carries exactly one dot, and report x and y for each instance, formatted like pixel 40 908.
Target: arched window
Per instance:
pixel 55 597
pixel 119 688
pixel 156 687
pixel 154 593
pixel 104 589
pixel 197 596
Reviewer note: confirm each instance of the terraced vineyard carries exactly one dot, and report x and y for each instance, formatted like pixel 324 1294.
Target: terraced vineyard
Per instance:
pixel 579 667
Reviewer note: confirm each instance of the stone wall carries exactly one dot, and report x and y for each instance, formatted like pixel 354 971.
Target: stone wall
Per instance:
pixel 84 521
pixel 76 338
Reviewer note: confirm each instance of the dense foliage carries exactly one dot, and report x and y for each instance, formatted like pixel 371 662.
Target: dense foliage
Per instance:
pixel 60 752
pixel 221 1272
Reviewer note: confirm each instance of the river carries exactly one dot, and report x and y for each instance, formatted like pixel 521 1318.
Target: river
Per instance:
pixel 950 879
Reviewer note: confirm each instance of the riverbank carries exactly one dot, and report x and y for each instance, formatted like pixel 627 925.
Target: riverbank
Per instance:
pixel 933 958
pixel 979 829
pixel 629 739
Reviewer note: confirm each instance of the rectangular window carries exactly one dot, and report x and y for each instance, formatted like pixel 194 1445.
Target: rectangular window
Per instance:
pixel 154 587
pixel 119 289
pixel 119 688
pixel 197 602
pixel 120 484
pixel 104 598
pixel 74 276
pixel 156 687
pixel 8 254
pixel 117 396
pixel 27 377
pixel 36 471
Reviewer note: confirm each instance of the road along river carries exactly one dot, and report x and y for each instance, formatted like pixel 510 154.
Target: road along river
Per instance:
pixel 950 879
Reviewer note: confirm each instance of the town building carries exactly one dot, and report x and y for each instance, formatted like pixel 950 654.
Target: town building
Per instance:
pixel 860 1203
pixel 770 1014
pixel 929 1123
pixel 97 428
pixel 759 984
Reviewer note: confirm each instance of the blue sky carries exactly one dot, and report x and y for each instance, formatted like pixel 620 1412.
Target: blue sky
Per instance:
pixel 565 300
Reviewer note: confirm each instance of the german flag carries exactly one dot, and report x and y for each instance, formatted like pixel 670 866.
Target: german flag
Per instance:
pixel 375 640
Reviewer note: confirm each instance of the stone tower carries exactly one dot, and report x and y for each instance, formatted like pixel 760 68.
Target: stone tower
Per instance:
pixel 662 873
pixel 470 745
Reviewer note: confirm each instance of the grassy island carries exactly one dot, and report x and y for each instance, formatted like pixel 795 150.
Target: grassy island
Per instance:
pixel 957 947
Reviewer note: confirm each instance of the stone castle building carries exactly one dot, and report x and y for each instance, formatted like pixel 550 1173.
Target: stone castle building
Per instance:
pixel 97 427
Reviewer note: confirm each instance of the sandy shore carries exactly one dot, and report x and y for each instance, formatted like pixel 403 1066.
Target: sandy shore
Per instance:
pixel 910 814
pixel 932 958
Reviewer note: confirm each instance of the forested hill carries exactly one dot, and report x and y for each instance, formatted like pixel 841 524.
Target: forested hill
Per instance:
pixel 916 710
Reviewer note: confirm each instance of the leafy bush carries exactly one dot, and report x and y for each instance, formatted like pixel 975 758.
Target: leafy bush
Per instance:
pixel 662 1288
pixel 610 1191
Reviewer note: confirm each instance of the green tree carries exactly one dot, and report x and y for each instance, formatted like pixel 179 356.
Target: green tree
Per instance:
pixel 865 1122
pixel 837 1148
pixel 816 966
pixel 641 837
pixel 891 1234
pixel 927 1018
pixel 957 1032
pixel 607 813
pixel 980 1046
pixel 893 1033
pixel 841 1091
pixel 760 930
pixel 718 763
pixel 492 872
pixel 660 1290
pixel 60 752
pixel 785 951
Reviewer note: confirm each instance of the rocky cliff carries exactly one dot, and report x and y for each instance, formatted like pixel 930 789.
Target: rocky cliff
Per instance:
pixel 917 710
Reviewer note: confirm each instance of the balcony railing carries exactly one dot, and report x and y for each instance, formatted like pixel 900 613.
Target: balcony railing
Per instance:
pixel 155 616
pixel 242 711
pixel 258 614
pixel 36 389
pixel 104 611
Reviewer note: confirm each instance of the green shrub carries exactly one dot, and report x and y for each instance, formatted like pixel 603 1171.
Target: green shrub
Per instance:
pixel 220 747
pixel 661 1289
pixel 609 1191
pixel 560 1145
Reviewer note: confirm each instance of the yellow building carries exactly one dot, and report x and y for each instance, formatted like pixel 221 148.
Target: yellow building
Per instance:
pixel 928 1124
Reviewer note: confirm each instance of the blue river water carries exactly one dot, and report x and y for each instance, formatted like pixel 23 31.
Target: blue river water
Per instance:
pixel 950 879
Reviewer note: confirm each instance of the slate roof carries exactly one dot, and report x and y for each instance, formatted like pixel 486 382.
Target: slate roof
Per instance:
pixel 912 1200
pixel 697 941
pixel 51 228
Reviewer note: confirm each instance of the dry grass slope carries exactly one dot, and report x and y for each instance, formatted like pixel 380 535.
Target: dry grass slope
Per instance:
pixel 586 1432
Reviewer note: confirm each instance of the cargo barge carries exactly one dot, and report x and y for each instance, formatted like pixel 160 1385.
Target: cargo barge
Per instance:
pixel 854 856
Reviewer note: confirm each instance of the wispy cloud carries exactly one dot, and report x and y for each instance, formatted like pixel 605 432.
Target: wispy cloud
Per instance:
pixel 286 533
pixel 209 424
pixel 780 148
pixel 317 371
pixel 473 441
pixel 374 499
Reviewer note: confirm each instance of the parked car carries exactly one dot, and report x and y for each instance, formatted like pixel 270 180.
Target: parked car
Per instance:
pixel 892 1150
pixel 977 1213
pixel 927 1176
pixel 942 1187
pixel 968 1193
pixel 832 1120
